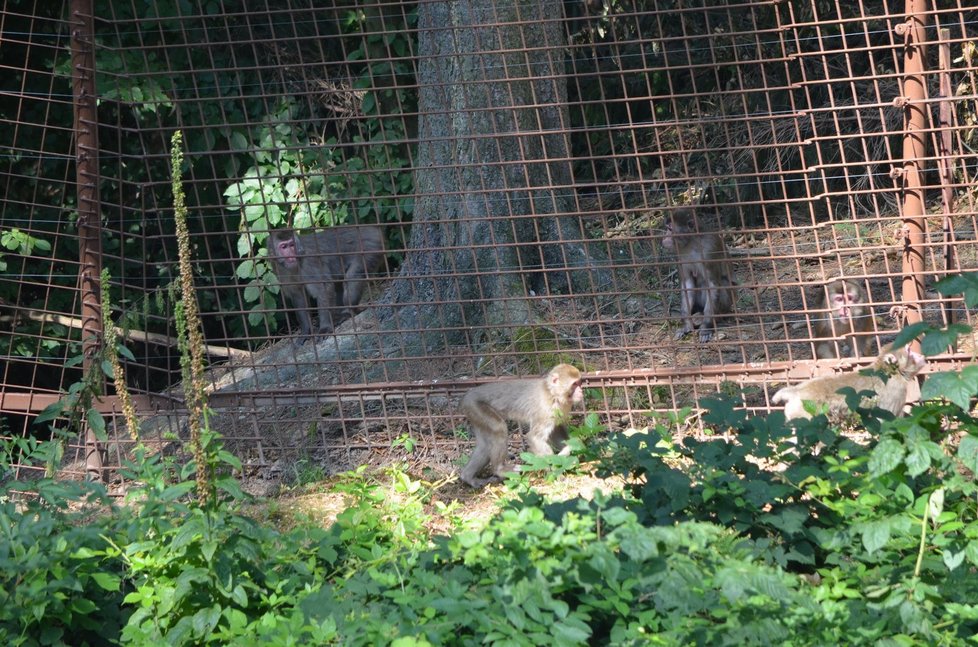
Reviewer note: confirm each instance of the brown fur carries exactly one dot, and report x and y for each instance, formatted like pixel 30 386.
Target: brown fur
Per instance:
pixel 331 266
pixel 705 282
pixel 846 314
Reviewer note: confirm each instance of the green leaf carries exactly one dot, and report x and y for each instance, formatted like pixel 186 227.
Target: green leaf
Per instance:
pixel 911 332
pixel 935 504
pixel 571 631
pixel 107 581
pixel 947 385
pixel 971 552
pixel 244 245
pixel 368 103
pixel 97 423
pixel 885 457
pixel 246 270
pixel 952 560
pixel 937 341
pixel 240 596
pixel 875 534
pixel 51 412
pixel 238 141
pixel 917 459
pixel 205 620
pixel 965 284
pixel 639 546
pixel 968 452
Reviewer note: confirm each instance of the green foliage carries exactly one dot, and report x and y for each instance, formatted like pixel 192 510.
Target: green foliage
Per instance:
pixel 759 535
pixel 22 243
pixel 553 467
pixel 887 527
pixel 55 585
pixel 834 542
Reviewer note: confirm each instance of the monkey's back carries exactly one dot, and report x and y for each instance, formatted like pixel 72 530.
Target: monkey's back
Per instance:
pixel 342 247
pixel 516 400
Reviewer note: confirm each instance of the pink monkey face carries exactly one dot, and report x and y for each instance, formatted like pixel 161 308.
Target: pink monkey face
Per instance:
pixel 285 251
pixel 841 304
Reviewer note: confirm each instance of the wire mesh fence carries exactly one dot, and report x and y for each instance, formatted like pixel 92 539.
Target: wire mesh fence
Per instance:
pixel 525 163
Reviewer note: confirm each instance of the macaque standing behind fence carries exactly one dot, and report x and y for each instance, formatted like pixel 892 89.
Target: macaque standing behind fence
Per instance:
pixel 705 282
pixel 331 266
pixel 848 315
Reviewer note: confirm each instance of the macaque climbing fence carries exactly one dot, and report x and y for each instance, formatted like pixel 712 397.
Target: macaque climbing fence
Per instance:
pixel 524 161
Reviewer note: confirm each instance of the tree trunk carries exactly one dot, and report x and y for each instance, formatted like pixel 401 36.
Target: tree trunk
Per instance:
pixel 494 187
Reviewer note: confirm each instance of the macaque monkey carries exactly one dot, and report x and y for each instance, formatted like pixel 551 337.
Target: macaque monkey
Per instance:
pixel 331 266
pixel 901 366
pixel 848 315
pixel 705 283
pixel 541 403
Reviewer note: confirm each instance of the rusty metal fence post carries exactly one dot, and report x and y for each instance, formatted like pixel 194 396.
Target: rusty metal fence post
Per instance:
pixel 89 220
pixel 914 152
pixel 945 161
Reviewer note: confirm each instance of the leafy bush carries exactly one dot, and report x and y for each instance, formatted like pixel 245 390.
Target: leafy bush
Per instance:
pixel 762 535
pixel 850 544
pixel 55 587
pixel 885 527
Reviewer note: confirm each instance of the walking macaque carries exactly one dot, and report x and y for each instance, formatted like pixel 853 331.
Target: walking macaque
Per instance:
pixel 848 315
pixel 541 403
pixel 331 266
pixel 900 367
pixel 705 283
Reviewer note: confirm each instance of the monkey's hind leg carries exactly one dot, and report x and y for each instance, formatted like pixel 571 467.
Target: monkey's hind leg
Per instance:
pixel 490 449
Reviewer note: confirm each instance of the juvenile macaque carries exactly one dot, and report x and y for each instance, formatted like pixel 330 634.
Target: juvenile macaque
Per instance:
pixel 330 266
pixel 705 283
pixel 542 403
pixel 848 315
pixel 901 366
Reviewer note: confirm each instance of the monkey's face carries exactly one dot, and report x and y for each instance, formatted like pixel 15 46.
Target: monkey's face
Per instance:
pixel 904 362
pixel 842 300
pixel 677 231
pixel 564 383
pixel 667 240
pixel 577 393
pixel 285 252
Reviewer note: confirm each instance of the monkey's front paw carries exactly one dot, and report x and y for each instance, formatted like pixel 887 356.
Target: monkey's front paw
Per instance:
pixel 706 335
pixel 682 333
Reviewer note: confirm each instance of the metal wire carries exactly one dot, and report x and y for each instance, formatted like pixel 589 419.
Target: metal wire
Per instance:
pixel 786 119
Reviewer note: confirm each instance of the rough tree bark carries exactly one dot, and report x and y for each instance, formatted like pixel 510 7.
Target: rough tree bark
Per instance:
pixel 493 177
